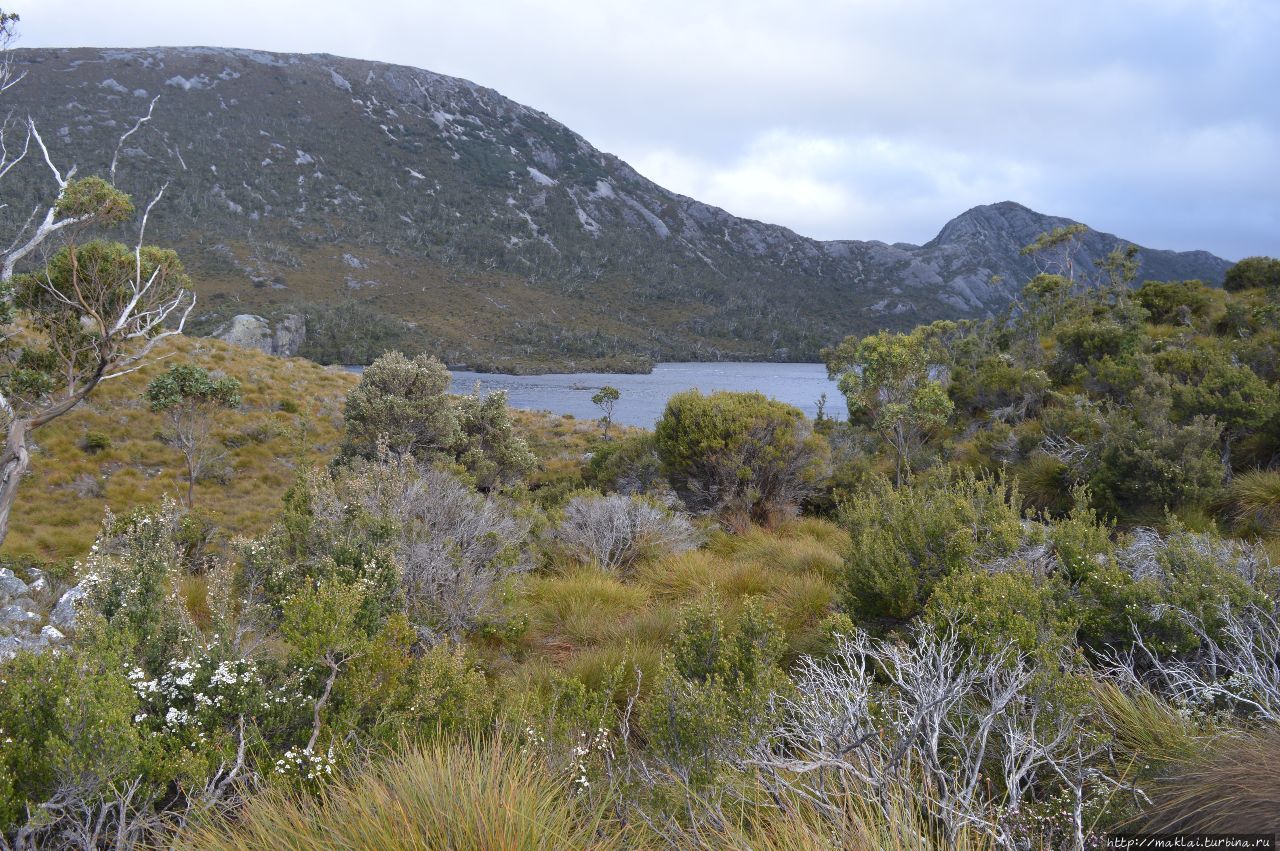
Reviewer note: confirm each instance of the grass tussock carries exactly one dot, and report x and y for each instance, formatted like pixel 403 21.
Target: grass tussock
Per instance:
pixel 1253 502
pixel 457 795
pixel 1230 787
pixel 853 821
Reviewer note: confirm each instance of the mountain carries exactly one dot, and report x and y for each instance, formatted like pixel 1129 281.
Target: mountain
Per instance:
pixel 395 206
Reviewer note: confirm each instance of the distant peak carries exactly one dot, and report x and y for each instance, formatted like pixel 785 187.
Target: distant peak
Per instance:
pixel 1003 219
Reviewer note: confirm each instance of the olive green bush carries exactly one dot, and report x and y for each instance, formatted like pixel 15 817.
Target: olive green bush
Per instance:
pixel 739 455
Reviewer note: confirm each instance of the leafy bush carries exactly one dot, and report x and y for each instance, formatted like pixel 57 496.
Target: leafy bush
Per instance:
pixel 738 454
pixel 1011 607
pixel 1147 461
pixel 413 537
pixel 95 442
pixel 617 531
pixel 402 404
pixel 629 465
pixel 714 692
pixel 905 540
pixel 1253 272
pixel 1175 302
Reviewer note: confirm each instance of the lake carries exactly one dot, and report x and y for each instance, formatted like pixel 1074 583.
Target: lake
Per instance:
pixel 645 396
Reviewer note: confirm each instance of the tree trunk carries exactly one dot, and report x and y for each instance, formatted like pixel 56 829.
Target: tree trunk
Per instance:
pixel 13 466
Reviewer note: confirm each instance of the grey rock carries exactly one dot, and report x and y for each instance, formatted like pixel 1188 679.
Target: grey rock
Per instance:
pixel 63 616
pixel 16 616
pixel 10 646
pixel 52 634
pixel 10 585
pixel 249 331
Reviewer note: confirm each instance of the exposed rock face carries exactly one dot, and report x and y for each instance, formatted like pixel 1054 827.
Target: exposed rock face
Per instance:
pixel 284 338
pixel 63 616
pixel 24 624
pixel 489 225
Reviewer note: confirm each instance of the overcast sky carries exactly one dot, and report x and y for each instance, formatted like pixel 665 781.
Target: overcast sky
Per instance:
pixel 1158 120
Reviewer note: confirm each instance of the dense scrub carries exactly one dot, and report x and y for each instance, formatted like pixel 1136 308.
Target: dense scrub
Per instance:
pixel 1038 610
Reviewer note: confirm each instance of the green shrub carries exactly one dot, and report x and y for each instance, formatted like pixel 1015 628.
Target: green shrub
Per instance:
pixel 66 717
pixel 739 454
pixel 628 465
pixel 1253 272
pixel 95 442
pixel 1149 462
pixel 992 610
pixel 714 691
pixel 903 541
pixel 402 405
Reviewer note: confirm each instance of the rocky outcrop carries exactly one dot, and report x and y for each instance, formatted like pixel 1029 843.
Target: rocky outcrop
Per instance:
pixel 283 338
pixel 30 616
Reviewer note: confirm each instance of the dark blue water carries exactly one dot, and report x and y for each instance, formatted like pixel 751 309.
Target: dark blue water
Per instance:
pixel 645 396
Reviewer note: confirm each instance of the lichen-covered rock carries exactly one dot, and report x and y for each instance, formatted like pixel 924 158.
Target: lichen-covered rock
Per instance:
pixel 15 616
pixel 284 338
pixel 63 616
pixel 10 585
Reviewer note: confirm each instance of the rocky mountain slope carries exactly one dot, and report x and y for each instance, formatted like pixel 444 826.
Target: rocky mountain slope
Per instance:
pixel 395 206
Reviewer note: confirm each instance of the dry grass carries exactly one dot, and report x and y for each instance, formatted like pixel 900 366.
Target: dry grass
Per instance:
pixel 57 515
pixel 857 824
pixel 586 621
pixel 1230 787
pixel 61 504
pixel 456 795
pixel 1253 502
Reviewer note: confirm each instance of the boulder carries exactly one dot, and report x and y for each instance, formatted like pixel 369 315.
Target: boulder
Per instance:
pixel 10 585
pixel 15 616
pixel 39 583
pixel 284 338
pixel 63 616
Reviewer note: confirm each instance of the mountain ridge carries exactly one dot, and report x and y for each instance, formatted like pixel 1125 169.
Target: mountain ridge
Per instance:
pixel 463 223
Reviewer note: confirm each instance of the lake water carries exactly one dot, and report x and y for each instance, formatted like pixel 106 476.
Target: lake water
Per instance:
pixel 645 396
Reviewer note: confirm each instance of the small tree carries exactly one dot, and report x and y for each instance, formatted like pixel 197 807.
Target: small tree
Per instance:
pixel 1054 252
pixel 188 397
pixel 403 402
pixel 888 377
pixel 605 399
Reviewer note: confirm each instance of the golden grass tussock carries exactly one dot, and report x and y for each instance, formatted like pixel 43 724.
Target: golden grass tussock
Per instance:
pixel 1253 502
pixel 459 795
pixel 582 607
pixel 1230 786
pixel 853 820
